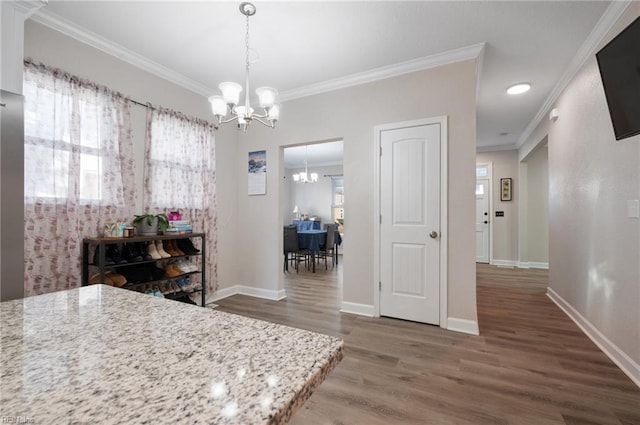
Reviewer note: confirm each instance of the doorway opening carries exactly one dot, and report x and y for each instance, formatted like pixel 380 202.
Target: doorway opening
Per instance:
pixel 312 198
pixel 484 208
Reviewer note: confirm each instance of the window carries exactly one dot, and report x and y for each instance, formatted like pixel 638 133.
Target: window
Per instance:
pixel 181 165
pixel 71 140
pixel 482 171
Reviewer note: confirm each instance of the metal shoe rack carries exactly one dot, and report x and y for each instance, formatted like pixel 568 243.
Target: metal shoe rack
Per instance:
pixel 102 243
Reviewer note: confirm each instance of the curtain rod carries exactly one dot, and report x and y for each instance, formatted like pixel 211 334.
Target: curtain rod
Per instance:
pixel 144 105
pixel 333 175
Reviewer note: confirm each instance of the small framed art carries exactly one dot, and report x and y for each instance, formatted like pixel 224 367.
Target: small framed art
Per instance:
pixel 505 189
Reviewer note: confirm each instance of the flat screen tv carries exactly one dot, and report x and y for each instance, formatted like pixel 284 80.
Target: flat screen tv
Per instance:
pixel 619 63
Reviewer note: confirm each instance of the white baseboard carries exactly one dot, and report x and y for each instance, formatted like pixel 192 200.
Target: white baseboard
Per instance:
pixel 359 309
pixel 532 265
pixel 249 291
pixel 463 325
pixel 222 293
pixel 504 263
pixel 619 357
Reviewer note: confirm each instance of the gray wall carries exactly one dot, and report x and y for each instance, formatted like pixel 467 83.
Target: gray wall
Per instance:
pixel 537 205
pixel 315 198
pixel 594 248
pixel 351 114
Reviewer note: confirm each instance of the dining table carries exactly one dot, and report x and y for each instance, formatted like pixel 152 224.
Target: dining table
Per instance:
pixel 306 224
pixel 313 240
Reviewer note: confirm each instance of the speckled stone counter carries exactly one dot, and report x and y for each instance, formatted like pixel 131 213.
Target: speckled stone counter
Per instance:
pixel 104 355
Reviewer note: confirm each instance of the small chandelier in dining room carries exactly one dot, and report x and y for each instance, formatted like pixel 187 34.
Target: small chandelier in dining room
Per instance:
pixel 305 177
pixel 221 106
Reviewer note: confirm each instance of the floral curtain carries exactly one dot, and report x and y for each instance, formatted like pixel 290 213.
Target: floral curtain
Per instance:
pixel 180 175
pixel 79 172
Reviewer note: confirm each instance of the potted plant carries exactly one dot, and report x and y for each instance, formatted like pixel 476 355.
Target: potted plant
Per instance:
pixel 149 224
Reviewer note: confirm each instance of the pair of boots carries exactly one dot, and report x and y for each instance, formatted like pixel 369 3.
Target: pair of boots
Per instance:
pixel 135 252
pixel 186 246
pixel 156 250
pixel 171 247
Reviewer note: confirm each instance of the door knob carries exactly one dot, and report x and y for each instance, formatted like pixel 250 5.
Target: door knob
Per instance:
pixel 433 234
pixel 485 222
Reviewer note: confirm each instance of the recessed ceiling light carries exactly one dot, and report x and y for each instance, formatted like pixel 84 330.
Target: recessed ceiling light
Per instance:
pixel 519 88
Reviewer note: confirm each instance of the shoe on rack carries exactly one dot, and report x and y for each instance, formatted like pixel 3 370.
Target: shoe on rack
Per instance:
pixel 158 293
pixel 187 247
pixel 131 255
pixel 115 255
pixel 171 270
pixel 176 249
pixel 168 248
pixel 95 279
pixel 96 257
pixel 161 251
pixel 141 249
pixel 152 251
pixel 187 267
pixel 184 284
pixel 116 278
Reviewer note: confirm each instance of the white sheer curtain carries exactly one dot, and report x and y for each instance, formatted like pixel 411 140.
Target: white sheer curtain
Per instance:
pixel 180 174
pixel 79 172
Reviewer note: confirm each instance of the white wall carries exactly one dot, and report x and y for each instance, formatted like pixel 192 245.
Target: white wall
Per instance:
pixel 315 198
pixel 351 114
pixel 537 205
pixel 505 229
pixel 594 249
pixel 57 50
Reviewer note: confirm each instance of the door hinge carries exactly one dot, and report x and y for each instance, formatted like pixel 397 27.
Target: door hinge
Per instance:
pixel 379 286
pixel 380 150
pixel 380 218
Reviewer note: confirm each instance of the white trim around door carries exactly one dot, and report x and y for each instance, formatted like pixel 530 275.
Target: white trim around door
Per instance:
pixel 442 120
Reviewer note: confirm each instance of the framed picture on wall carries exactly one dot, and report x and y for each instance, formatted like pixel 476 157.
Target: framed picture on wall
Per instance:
pixel 505 189
pixel 257 167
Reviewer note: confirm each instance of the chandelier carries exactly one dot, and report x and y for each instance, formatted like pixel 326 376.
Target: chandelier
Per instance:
pixel 225 108
pixel 305 177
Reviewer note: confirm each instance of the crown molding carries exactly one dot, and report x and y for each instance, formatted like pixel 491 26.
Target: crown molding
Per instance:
pixel 588 49
pixel 496 148
pixel 85 36
pixel 451 56
pixel 28 7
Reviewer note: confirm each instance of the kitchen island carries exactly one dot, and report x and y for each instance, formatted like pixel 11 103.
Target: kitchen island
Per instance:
pixel 99 354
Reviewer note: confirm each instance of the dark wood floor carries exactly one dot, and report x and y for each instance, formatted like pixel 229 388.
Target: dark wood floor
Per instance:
pixel 531 365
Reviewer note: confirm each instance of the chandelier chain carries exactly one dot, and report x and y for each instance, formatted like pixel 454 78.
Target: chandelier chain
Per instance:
pixel 247 43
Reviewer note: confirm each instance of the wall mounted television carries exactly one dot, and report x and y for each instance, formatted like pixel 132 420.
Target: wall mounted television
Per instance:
pixel 619 64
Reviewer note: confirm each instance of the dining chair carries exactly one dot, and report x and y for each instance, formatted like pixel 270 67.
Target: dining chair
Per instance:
pixel 292 252
pixel 329 245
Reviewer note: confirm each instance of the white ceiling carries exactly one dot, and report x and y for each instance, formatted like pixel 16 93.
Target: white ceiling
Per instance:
pixel 305 43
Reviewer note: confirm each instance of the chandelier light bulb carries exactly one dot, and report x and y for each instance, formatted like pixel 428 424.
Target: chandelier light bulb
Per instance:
pixel 266 96
pixel 274 113
pixel 218 106
pixel 230 92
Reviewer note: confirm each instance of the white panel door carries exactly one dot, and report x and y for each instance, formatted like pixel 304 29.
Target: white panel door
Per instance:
pixel 482 221
pixel 410 223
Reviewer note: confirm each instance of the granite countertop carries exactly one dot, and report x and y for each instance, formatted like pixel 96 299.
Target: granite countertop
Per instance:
pixel 99 354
